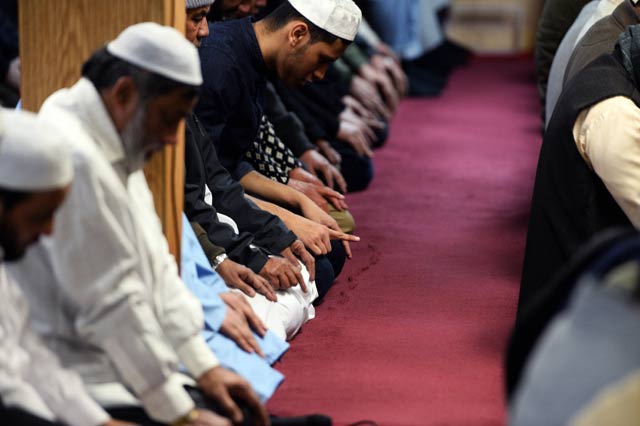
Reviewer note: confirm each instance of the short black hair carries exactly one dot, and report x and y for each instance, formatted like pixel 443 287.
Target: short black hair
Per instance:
pixel 286 13
pixel 10 198
pixel 104 69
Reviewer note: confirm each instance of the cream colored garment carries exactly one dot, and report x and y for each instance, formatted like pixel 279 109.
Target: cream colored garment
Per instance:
pixel 607 136
pixel 31 377
pixel 617 405
pixel 104 288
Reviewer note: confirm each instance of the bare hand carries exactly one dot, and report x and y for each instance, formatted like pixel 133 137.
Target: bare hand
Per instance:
pixel 297 251
pixel 314 213
pixel 393 68
pixel 368 95
pixel 240 305
pixel 236 327
pixel 244 279
pixel 282 274
pixel 327 150
pixel 353 135
pixel 366 124
pixel 381 80
pixel 316 237
pixel 301 174
pixel 320 195
pixel 319 165
pixel 221 385
pixel 356 106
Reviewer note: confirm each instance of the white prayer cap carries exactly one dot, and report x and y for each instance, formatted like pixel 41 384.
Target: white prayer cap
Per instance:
pixel 192 4
pixel 160 50
pixel 338 17
pixel 33 156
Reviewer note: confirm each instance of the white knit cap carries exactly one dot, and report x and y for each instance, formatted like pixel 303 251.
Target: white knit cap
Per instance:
pixel 192 4
pixel 160 50
pixel 338 17
pixel 33 156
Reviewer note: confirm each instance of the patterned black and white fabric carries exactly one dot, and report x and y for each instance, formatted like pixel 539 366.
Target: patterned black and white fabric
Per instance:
pixel 269 156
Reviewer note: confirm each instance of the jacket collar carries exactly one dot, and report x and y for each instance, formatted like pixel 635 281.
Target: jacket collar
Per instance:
pixel 625 14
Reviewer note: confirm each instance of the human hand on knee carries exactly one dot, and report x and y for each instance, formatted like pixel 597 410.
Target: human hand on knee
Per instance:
pixel 223 385
pixel 244 279
pixel 282 274
pixel 296 251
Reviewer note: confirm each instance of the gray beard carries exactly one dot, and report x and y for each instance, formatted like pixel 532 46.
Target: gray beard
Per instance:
pixel 132 137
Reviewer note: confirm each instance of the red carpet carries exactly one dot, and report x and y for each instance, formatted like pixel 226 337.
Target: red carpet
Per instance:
pixel 413 332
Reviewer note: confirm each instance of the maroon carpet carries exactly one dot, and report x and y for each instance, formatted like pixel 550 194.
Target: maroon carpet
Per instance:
pixel 413 332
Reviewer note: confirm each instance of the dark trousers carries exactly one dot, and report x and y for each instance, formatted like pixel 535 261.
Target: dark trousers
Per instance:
pixel 328 268
pixel 137 415
pixel 356 169
pixel 19 417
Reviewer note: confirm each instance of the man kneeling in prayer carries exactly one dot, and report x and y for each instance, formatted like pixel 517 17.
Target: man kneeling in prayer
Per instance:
pixel 35 174
pixel 128 320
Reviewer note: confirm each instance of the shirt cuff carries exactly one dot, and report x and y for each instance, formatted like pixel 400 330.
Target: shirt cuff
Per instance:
pixel 197 357
pixel 169 401
pixel 283 242
pixel 85 412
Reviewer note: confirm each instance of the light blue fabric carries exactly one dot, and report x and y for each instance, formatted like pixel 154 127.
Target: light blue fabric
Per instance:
pixel 206 285
pixel 410 27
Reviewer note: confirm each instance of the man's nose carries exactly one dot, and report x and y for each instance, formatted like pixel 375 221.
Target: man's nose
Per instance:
pixel 203 30
pixel 320 72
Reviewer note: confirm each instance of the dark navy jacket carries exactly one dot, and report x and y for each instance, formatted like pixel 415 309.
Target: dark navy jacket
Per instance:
pixel 233 93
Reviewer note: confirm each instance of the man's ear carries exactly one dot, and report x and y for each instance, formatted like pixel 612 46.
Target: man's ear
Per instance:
pixel 298 33
pixel 124 91
pixel 121 100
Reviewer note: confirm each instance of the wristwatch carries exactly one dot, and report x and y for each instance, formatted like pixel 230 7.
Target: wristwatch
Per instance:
pixel 187 419
pixel 218 260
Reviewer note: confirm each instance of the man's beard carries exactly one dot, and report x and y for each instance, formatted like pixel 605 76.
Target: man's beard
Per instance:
pixel 133 140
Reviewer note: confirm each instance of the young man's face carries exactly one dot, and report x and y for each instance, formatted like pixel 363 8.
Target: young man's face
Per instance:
pixel 27 220
pixel 308 61
pixel 197 25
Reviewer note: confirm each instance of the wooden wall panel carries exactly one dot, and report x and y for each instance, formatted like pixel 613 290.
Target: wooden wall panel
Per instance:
pixel 57 36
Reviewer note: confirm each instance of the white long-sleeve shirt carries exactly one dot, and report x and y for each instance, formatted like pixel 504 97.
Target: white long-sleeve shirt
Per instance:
pixel 116 311
pixel 31 377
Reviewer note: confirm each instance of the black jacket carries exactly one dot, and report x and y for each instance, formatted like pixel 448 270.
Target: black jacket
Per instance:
pixel 231 102
pixel 257 227
pixel 570 202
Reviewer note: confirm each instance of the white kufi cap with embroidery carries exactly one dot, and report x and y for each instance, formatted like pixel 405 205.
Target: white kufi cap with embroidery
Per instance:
pixel 338 17
pixel 33 156
pixel 160 50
